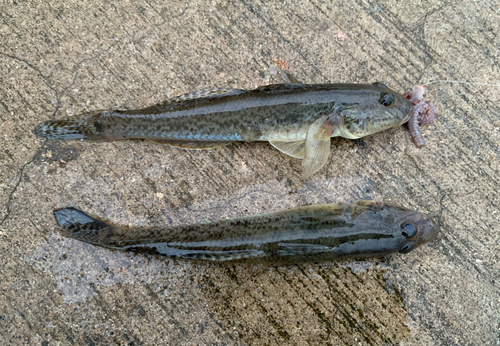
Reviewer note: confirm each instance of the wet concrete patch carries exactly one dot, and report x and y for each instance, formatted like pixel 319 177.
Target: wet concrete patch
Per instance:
pixel 346 302
pixel 163 293
pixel 56 152
pixel 276 305
pixel 81 269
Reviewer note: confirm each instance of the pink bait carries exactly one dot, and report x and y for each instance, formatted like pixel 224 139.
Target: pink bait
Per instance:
pixel 423 113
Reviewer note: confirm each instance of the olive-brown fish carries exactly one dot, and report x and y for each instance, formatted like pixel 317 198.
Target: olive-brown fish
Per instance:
pixel 298 119
pixel 311 233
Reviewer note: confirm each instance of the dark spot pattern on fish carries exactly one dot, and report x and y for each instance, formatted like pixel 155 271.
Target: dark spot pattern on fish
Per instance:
pixel 311 233
pixel 304 113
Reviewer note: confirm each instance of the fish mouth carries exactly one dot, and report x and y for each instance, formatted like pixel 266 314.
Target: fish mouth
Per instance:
pixel 433 235
pixel 407 111
pixel 430 231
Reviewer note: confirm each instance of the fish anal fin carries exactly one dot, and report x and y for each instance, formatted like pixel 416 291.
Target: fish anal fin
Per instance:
pixel 191 144
pixel 317 146
pixel 293 148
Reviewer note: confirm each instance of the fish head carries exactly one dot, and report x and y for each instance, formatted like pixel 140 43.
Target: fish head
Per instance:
pixel 379 109
pixel 407 228
pixel 416 228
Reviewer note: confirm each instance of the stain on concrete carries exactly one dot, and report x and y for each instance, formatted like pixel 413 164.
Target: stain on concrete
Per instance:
pixel 59 153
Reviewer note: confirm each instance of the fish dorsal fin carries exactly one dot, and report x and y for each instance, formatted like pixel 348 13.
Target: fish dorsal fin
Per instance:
pixel 209 93
pixel 317 146
pixel 293 148
pixel 191 144
pixel 279 87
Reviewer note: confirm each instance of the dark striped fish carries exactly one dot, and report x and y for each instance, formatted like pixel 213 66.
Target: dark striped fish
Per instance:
pixel 311 233
pixel 298 119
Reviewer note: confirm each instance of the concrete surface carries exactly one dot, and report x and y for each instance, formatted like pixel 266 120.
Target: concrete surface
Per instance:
pixel 58 59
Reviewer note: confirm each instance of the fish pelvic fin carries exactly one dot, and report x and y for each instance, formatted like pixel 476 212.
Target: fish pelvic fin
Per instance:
pixel 317 147
pixel 80 127
pixel 76 224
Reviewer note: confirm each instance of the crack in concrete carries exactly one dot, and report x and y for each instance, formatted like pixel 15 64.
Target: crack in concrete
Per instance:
pixel 33 67
pixel 58 96
pixel 45 79
pixel 11 195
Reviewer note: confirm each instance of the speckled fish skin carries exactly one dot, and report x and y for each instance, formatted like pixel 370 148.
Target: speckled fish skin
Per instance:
pixel 311 233
pixel 281 111
pixel 305 114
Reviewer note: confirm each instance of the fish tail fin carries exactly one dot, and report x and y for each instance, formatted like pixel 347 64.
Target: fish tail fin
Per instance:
pixel 76 224
pixel 85 127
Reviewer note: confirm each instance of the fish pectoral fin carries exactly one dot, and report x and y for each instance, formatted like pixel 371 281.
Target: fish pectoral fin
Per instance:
pixel 191 144
pixel 293 148
pixel 317 146
pixel 291 249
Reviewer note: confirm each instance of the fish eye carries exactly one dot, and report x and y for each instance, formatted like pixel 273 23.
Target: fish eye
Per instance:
pixel 407 248
pixel 387 100
pixel 409 230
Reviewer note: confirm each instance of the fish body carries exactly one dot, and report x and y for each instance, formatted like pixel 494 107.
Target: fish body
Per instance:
pixel 310 233
pixel 298 119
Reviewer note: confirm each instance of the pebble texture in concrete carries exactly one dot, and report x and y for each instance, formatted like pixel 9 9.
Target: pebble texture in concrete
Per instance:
pixel 58 59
